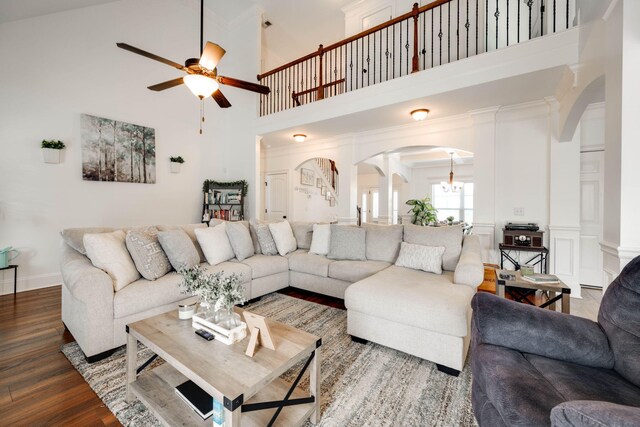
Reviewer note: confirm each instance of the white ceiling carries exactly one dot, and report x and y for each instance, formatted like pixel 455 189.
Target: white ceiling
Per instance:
pixel 13 10
pixel 298 26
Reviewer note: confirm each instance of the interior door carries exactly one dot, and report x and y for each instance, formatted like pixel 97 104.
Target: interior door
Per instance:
pixel 276 196
pixel 591 209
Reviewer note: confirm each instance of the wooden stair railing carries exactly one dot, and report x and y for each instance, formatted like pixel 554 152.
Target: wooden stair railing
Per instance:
pixel 435 34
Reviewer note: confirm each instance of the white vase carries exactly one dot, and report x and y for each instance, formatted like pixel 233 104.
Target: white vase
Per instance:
pixel 175 167
pixel 51 155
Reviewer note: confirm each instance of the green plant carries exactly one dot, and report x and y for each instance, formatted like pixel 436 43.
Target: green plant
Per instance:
pixel 56 145
pixel 423 211
pixel 450 219
pixel 214 289
pixel 178 159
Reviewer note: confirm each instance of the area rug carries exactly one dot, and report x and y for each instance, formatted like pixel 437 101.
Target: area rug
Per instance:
pixel 362 385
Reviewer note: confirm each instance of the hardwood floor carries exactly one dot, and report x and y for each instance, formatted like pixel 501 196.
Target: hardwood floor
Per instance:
pixel 38 385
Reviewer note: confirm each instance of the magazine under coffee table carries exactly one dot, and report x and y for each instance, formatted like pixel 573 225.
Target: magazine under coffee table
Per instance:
pixel 249 388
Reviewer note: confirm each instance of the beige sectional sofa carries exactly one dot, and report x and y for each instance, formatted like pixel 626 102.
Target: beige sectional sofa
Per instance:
pixel 421 313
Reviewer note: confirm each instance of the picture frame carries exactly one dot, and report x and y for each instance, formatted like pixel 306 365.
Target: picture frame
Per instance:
pixel 323 191
pixel 319 182
pixel 307 176
pixel 332 202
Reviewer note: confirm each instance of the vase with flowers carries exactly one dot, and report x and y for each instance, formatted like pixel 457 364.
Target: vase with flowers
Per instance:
pixel 218 294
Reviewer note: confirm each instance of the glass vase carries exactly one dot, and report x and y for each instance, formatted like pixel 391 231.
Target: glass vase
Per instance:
pixel 228 319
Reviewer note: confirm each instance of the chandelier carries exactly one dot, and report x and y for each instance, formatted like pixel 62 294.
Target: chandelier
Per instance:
pixel 451 186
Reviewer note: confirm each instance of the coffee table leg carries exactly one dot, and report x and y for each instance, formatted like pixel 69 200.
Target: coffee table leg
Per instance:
pixel 132 353
pixel 314 379
pixel 566 302
pixel 551 296
pixel 232 418
pixel 500 290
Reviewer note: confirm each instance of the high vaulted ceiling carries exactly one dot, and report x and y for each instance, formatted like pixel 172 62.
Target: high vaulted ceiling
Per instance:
pixel 14 10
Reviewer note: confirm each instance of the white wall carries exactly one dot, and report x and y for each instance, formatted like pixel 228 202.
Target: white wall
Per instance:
pixel 67 64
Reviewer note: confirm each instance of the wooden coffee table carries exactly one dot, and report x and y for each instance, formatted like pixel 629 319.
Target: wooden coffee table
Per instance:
pixel 560 288
pixel 249 388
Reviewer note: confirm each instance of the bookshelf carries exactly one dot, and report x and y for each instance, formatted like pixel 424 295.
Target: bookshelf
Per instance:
pixel 223 200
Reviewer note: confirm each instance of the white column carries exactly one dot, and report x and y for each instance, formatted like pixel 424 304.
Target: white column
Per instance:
pixel 484 180
pixel 564 204
pixel 348 188
pixel 621 237
pixel 385 192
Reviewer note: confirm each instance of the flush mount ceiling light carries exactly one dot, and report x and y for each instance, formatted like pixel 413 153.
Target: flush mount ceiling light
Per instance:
pixel 299 137
pixel 419 114
pixel 451 186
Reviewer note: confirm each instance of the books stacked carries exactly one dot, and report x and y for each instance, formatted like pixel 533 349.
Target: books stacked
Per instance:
pixel 201 402
pixel 541 279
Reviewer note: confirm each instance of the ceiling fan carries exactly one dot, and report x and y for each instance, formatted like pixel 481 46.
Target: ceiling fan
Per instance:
pixel 202 75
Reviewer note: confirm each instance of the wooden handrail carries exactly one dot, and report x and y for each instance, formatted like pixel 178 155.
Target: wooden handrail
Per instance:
pixel 411 14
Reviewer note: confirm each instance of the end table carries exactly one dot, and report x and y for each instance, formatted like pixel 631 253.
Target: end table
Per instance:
pixel 15 276
pixel 554 289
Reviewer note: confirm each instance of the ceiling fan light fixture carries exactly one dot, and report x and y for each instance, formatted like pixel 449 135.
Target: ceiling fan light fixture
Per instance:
pixel 419 114
pixel 299 137
pixel 201 86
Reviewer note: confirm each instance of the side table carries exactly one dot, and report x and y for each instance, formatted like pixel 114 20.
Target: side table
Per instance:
pixel 541 257
pixel 557 291
pixel 15 276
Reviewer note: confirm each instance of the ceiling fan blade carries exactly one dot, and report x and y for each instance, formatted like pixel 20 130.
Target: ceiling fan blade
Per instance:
pixel 166 85
pixel 211 56
pixel 150 56
pixel 253 87
pixel 222 101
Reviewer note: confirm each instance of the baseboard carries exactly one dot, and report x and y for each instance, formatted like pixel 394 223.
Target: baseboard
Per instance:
pixel 28 283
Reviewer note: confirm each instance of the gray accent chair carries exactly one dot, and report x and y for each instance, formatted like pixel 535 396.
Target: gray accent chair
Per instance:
pixel 535 367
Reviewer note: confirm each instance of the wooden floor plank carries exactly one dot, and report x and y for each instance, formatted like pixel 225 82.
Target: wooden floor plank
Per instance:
pixel 38 385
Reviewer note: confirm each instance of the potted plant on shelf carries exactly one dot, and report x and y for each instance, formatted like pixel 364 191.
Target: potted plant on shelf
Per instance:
pixel 176 162
pixel 450 220
pixel 423 211
pixel 51 150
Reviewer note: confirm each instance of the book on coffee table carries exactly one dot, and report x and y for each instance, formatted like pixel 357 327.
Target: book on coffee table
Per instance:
pixel 541 278
pixel 198 399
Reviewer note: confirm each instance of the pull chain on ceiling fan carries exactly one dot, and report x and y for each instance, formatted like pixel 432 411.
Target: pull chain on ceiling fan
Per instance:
pixel 201 77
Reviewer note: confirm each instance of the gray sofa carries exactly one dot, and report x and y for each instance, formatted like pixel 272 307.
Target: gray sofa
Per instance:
pixel 436 313
pixel 534 367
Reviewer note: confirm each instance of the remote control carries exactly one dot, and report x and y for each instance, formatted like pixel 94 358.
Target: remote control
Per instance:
pixel 205 334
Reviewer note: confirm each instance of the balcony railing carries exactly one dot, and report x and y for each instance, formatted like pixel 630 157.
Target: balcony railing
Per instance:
pixel 438 33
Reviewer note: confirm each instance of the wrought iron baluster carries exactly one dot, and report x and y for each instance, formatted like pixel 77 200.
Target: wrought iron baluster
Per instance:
pixel 467 25
pixel 351 65
pixel 400 49
pixel 449 32
pixel 386 54
pixel 477 26
pixel 518 20
pixel 406 46
pixel 424 40
pixel 567 14
pixel 458 30
pixel 530 5
pixel 374 58
pixel 440 34
pixel 368 62
pixel 554 16
pixel 486 26
pixel 393 48
pixel 507 22
pixel 362 62
pixel 497 15
pixel 432 40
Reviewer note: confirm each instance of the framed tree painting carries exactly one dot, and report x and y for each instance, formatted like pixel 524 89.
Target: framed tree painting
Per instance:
pixel 307 177
pixel 117 151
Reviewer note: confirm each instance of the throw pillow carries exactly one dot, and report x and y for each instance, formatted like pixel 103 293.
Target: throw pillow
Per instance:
pixel 303 232
pixel 419 257
pixel 188 228
pixel 179 248
pixel 449 236
pixel 73 236
pixel 383 241
pixel 147 254
pixel 347 243
pixel 267 244
pixel 108 252
pixel 240 240
pixel 215 243
pixel 320 240
pixel 283 236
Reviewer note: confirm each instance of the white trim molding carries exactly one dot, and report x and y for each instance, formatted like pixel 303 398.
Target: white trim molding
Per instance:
pixel 28 283
pixel 615 258
pixel 564 256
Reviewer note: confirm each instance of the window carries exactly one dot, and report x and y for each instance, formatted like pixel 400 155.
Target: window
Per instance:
pixel 375 203
pixel 364 206
pixel 459 205
pixel 394 213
